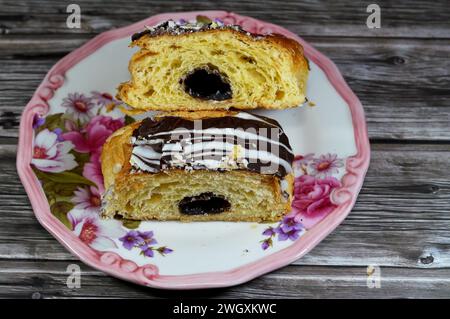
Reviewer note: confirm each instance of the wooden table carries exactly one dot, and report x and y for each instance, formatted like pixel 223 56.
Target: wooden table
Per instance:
pixel 400 72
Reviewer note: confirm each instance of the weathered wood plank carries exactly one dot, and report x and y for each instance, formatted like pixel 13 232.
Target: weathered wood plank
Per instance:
pixel 401 74
pixel 404 85
pixel 400 220
pixel 47 279
pixel 323 18
pixel 41 45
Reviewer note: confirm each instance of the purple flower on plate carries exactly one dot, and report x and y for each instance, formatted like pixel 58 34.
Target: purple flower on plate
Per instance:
pixel 147 237
pixel 266 243
pixel 270 231
pixel 58 132
pixel 289 229
pixel 147 251
pixel 292 235
pixel 79 107
pixel 164 250
pixel 144 241
pixel 131 239
pixel 38 121
pixel 289 224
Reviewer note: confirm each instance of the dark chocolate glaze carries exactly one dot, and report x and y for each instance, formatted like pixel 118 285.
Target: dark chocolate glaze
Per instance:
pixel 159 133
pixel 171 27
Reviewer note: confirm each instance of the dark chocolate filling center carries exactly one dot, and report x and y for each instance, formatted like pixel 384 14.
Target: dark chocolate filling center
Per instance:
pixel 207 83
pixel 205 203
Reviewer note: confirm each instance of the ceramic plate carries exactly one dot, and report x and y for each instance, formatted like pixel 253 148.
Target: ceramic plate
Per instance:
pixel 73 111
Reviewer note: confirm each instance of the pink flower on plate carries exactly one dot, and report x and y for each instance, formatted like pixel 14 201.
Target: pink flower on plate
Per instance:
pixel 87 198
pixel 70 125
pixel 105 100
pixel 93 171
pixel 326 165
pixel 302 161
pixel 52 155
pixel 79 107
pixel 312 198
pixel 94 231
pixel 94 135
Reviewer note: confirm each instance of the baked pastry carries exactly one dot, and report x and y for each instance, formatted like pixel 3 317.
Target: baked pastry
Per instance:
pixel 198 166
pixel 211 66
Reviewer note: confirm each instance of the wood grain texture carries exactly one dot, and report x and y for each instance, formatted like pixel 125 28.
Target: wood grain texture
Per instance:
pixel 404 85
pixel 401 73
pixel 407 19
pixel 401 216
pixel 47 279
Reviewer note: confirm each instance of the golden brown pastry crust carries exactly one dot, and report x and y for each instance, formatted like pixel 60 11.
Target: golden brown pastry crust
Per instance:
pixel 293 60
pixel 117 178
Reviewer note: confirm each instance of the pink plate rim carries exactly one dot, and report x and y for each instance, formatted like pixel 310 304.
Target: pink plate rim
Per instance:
pixel 111 263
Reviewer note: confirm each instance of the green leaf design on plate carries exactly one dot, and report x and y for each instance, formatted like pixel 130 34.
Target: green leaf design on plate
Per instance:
pixel 60 210
pixel 129 120
pixel 129 223
pixel 203 19
pixel 64 178
pixel 59 192
pixel 53 121
pixel 59 189
pixel 81 159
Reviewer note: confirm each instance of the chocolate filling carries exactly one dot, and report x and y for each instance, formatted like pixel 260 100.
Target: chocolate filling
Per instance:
pixel 205 203
pixel 207 83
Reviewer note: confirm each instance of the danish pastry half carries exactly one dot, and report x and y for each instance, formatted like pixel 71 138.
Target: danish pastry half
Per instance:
pixel 211 66
pixel 198 166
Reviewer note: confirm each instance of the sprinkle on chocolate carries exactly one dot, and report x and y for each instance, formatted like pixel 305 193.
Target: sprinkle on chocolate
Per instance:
pixel 182 26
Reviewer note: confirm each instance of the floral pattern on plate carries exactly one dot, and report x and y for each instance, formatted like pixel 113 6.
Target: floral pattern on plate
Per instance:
pixel 89 67
pixel 314 183
pixel 66 159
pixel 144 241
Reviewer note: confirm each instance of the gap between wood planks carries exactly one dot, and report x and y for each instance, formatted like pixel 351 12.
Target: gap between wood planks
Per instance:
pixel 403 84
pixel 331 18
pixel 47 279
pixel 400 219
